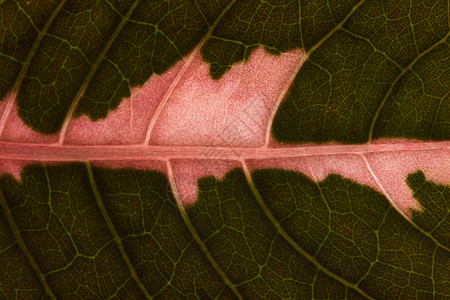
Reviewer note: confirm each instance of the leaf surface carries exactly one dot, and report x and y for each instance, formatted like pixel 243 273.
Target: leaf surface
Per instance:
pixel 271 233
pixel 224 149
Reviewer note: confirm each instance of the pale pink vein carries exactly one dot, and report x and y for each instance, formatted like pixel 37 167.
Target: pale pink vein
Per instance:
pixel 126 124
pixel 169 92
pixel 233 111
pixel 281 96
pixel 5 109
pixel 383 190
pixel 14 130
pixel 187 63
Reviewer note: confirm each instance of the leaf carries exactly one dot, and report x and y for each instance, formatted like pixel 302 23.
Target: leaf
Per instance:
pixel 209 149
pixel 96 232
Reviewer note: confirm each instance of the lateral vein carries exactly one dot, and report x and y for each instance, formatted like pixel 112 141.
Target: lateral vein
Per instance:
pixel 113 231
pixel 23 247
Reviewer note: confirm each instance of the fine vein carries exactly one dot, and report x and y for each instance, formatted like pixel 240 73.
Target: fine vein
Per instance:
pixel 280 98
pixel 91 73
pixel 26 64
pixel 174 83
pixel 436 114
pixel 194 233
pixel 286 236
pixel 391 88
pixel 113 231
pixel 23 247
pixel 298 66
pixel 408 218
pixel 339 26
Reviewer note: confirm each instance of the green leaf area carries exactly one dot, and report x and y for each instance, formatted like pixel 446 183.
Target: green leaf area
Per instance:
pixel 76 231
pixel 376 68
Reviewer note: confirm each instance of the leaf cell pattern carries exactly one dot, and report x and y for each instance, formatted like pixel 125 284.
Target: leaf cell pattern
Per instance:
pixel 376 69
pixel 269 234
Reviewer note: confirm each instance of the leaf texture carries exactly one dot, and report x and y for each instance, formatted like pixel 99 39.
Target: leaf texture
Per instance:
pixel 96 233
pixel 224 149
pixel 86 57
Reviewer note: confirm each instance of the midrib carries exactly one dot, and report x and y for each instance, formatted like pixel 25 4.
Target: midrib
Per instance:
pixel 51 152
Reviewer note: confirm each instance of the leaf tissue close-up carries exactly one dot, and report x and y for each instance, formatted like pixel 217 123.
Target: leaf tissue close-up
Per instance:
pixel 224 149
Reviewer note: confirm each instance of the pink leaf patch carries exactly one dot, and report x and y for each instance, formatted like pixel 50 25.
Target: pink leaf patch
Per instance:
pixel 231 112
pixel 127 124
pixel 12 128
pixel 189 126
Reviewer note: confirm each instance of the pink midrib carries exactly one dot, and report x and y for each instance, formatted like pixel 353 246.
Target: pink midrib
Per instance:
pixel 54 152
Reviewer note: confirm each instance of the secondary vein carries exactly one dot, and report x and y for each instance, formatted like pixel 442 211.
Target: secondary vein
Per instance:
pixel 286 236
pixel 113 231
pixel 195 234
pixel 23 247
